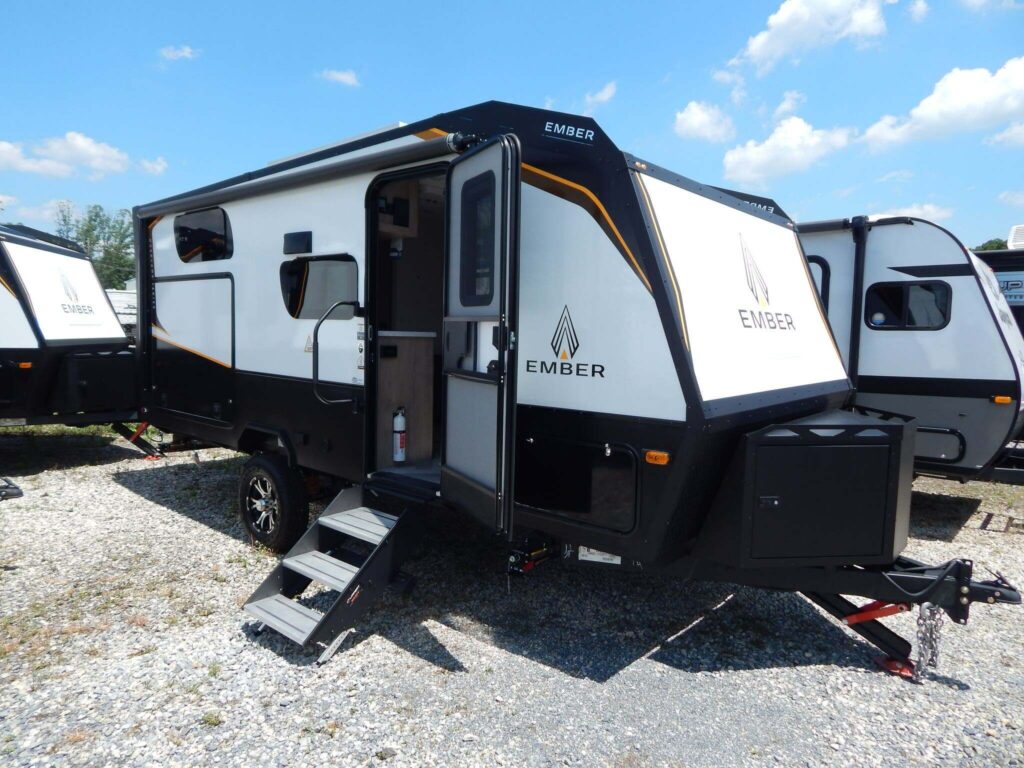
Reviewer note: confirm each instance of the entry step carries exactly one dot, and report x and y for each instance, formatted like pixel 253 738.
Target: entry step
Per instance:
pixel 322 568
pixel 291 619
pixel 363 523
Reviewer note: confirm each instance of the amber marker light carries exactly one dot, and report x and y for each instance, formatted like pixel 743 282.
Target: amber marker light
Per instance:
pixel 659 458
pixel 1002 399
pixel 24 366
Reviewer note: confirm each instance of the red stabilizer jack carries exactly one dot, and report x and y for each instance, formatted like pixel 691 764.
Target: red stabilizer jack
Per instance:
pixel 899 667
pixel 876 609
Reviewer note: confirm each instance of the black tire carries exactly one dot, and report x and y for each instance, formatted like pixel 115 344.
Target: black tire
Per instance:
pixel 272 502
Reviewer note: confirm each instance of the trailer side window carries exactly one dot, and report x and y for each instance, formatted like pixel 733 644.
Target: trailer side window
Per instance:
pixel 309 286
pixel 203 235
pixel 921 306
pixel 476 268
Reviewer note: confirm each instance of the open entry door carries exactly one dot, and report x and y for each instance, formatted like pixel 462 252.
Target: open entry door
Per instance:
pixel 482 251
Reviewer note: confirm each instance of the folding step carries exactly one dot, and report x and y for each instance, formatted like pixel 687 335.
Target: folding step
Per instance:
pixel 294 621
pixel 362 523
pixel 322 568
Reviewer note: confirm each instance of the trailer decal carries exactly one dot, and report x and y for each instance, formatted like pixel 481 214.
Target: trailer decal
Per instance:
pixel 583 197
pixel 195 352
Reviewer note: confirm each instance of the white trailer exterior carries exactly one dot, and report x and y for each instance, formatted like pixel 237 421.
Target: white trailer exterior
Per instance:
pixel 924 331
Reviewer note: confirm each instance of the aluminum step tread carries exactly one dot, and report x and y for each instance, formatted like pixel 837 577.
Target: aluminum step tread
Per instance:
pixel 363 523
pixel 327 570
pixel 291 619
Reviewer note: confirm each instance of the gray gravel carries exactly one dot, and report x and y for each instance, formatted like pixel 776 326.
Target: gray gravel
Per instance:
pixel 122 642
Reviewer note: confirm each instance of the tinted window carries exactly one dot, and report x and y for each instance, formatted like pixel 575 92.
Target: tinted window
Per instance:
pixel 908 306
pixel 310 286
pixel 203 235
pixel 476 272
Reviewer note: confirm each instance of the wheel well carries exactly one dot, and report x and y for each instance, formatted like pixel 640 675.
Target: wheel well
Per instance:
pixel 266 440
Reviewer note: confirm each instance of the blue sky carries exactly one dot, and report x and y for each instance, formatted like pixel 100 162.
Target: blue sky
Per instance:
pixel 833 107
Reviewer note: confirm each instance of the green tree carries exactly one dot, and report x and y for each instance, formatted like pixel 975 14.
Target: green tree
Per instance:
pixel 995 244
pixel 116 262
pixel 64 219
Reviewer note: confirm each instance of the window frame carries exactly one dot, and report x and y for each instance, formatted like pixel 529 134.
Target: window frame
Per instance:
pixel 339 257
pixel 229 241
pixel 906 285
pixel 473 299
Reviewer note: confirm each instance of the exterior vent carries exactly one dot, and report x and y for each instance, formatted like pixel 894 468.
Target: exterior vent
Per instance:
pixel 1016 237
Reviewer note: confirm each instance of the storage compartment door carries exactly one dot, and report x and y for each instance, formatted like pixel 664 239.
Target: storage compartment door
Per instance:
pixel 482 227
pixel 193 348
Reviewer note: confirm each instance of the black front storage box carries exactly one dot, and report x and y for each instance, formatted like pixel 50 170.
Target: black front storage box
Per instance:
pixel 830 489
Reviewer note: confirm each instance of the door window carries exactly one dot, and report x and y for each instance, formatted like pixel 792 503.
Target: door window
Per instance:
pixel 476 269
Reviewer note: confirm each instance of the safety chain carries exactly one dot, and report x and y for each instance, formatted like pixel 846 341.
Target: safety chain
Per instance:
pixel 929 624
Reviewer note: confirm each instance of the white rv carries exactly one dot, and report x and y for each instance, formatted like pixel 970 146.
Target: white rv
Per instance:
pixel 497 310
pixel 924 330
pixel 63 354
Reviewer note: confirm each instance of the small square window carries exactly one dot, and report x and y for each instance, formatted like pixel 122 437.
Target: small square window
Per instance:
pixel 309 286
pixel 908 306
pixel 203 235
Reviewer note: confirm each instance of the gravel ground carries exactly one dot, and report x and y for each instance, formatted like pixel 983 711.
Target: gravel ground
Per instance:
pixel 122 642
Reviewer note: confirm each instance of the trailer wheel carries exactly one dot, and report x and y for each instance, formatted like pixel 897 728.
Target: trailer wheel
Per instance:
pixel 272 502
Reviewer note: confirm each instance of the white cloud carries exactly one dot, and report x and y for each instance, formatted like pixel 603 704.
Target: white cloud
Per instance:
pixel 802 25
pixel 76 150
pixel 1011 137
pixel 45 213
pixel 344 76
pixel 13 158
pixel 790 101
pixel 1016 199
pixel 963 100
pixel 703 121
pixel 919 10
pixel 897 176
pixel 736 82
pixel 174 53
pixel 928 211
pixel 603 96
pixel 154 167
pixel 7 200
pixel 795 145
pixel 549 102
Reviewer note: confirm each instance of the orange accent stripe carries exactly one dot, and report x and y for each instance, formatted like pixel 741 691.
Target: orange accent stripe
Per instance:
pixel 9 289
pixel 600 207
pixel 431 133
pixel 665 258
pixel 153 223
pixel 193 351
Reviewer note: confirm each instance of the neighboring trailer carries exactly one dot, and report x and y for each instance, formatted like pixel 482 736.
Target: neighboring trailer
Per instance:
pixel 497 310
pixel 925 332
pixel 63 355
pixel 1008 267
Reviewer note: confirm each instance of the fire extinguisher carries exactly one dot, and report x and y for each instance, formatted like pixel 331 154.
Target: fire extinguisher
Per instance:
pixel 398 435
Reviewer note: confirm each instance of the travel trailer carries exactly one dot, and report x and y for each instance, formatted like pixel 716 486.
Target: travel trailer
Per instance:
pixel 64 358
pixel 497 310
pixel 924 331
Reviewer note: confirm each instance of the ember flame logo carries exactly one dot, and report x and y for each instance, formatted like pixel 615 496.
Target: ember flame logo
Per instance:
pixel 565 342
pixel 755 280
pixel 69 289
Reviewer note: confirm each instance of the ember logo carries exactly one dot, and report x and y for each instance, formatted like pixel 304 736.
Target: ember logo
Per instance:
pixel 72 305
pixel 759 318
pixel 69 289
pixel 565 342
pixel 755 280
